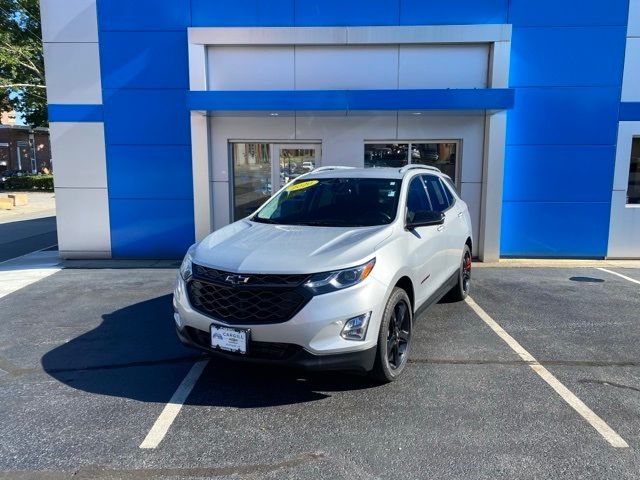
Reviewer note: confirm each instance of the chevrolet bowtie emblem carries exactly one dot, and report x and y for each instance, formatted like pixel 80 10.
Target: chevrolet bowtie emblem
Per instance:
pixel 237 279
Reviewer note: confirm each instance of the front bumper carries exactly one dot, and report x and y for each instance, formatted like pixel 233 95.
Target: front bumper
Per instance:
pixel 283 354
pixel 312 335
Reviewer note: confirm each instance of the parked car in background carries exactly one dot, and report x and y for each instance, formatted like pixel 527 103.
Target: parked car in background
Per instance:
pixel 330 272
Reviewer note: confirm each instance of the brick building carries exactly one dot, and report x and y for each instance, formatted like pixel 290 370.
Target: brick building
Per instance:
pixel 24 148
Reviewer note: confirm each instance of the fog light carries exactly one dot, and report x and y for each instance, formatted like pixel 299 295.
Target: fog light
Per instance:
pixel 356 328
pixel 178 319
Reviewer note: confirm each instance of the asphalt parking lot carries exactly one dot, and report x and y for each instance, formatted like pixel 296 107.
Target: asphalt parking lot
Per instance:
pixel 89 360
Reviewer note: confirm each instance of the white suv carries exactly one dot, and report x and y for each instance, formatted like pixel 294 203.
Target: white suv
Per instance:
pixel 330 272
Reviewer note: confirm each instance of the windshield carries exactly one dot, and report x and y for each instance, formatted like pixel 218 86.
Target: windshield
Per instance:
pixel 334 202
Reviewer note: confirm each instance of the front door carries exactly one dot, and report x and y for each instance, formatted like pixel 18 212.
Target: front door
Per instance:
pixel 260 169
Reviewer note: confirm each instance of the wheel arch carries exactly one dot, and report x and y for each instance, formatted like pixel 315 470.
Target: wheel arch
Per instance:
pixel 406 284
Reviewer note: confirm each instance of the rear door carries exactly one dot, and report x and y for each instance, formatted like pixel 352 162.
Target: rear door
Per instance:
pixel 452 243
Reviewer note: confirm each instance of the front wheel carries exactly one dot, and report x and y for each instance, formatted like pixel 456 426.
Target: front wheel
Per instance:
pixel 461 289
pixel 394 338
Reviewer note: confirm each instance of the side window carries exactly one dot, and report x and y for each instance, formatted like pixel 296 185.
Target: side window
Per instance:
pixel 436 193
pixel 447 191
pixel 417 199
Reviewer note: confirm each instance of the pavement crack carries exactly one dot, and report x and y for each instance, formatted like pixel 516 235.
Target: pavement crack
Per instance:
pixel 157 473
pixel 609 384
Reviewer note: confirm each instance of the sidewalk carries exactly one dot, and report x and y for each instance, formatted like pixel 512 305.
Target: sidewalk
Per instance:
pixel 557 263
pixel 41 204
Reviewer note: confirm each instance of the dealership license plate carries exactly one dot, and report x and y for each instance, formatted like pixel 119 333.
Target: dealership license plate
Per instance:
pixel 229 339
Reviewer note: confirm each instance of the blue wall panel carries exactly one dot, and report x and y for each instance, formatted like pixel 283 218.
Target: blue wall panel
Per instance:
pixel 351 12
pixel 151 228
pixel 555 229
pixel 140 171
pixel 580 56
pixel 447 12
pixel 242 13
pixel 146 117
pixel 74 113
pixel 570 115
pixel 143 14
pixel 144 60
pixel 568 12
pixel 560 173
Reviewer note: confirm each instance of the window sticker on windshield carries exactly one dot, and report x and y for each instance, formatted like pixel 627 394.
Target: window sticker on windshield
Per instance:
pixel 302 185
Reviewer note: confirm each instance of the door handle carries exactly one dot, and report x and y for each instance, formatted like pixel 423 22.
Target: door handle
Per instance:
pixel 460 214
pixel 440 228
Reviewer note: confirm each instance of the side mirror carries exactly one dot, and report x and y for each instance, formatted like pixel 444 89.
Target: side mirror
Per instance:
pixel 424 218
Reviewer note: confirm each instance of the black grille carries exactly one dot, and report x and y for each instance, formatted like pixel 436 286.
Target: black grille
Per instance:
pixel 261 299
pixel 253 279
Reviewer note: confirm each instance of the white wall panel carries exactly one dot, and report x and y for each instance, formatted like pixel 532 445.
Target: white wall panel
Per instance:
pixel 224 129
pixel 73 73
pixel 631 78
pixel 343 137
pixel 221 202
pixel 469 129
pixel 624 230
pixel 251 68
pixel 69 20
pixel 78 154
pixel 471 193
pixel 346 67
pixel 444 66
pixel 83 222
pixel 633 28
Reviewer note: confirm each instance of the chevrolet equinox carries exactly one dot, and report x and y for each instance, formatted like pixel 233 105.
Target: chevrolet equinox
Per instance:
pixel 330 272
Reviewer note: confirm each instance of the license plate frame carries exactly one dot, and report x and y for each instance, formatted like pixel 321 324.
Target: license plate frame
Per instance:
pixel 229 339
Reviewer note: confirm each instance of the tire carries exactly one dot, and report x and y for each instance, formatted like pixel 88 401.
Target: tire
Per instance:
pixel 394 338
pixel 462 288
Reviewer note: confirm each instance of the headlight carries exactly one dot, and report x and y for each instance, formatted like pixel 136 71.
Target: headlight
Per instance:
pixel 186 267
pixel 339 279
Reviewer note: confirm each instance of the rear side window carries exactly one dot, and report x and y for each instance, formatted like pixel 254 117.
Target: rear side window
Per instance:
pixel 439 199
pixel 447 191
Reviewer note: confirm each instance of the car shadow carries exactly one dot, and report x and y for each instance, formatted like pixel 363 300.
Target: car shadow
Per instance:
pixel 134 353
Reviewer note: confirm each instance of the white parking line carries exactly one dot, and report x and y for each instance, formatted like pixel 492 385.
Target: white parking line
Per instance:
pixel 620 275
pixel 578 405
pixel 171 409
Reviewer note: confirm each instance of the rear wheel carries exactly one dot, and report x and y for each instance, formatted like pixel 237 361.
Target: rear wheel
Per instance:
pixel 394 338
pixel 461 289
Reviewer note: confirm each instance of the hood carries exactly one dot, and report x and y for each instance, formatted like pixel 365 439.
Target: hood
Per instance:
pixel 249 247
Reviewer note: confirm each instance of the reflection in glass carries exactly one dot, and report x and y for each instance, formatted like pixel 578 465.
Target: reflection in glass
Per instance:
pixel 633 190
pixel 385 154
pixel 440 155
pixel 294 162
pixel 251 177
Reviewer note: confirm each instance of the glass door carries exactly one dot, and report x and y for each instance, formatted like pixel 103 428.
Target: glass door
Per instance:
pixel 293 160
pixel 260 169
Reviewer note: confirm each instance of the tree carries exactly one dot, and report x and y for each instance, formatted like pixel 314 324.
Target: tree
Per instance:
pixel 22 83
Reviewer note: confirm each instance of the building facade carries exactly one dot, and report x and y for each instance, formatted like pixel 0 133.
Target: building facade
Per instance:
pixel 24 149
pixel 172 118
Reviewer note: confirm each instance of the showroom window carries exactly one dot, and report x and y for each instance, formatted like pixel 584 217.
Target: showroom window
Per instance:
pixel 442 154
pixel 633 189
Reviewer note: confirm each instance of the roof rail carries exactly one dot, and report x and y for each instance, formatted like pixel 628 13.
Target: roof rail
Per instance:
pixel 414 166
pixel 327 168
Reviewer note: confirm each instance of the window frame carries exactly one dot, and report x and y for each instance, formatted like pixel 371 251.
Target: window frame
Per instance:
pixel 627 204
